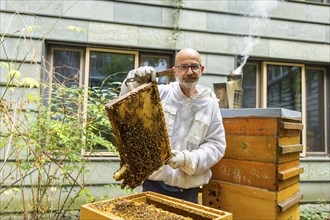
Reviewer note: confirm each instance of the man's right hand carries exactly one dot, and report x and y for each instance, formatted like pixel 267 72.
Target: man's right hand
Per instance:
pixel 148 73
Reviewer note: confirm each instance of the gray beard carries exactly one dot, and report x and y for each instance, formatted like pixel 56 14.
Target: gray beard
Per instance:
pixel 189 85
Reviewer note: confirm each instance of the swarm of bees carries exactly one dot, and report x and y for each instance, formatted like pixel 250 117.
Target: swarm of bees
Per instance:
pixel 138 123
pixel 125 209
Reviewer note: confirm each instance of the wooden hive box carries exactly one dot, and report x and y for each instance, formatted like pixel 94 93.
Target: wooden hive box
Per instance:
pixel 149 205
pixel 246 202
pixel 139 127
pixel 263 148
pixel 269 176
pixel 260 169
pixel 269 135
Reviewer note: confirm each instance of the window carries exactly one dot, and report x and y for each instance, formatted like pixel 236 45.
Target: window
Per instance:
pixel 319 1
pixel 249 85
pixel 296 87
pixel 327 128
pixel 100 72
pixel 159 62
pixel 314 1
pixel 315 110
pixel 109 66
pixel 67 65
pixel 105 69
pixel 66 71
pixel 284 86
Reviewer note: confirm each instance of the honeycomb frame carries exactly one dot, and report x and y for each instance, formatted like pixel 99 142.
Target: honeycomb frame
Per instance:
pixel 138 123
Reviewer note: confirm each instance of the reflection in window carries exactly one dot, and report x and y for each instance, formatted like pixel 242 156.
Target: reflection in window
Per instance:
pixel 65 80
pixel 315 110
pixel 284 87
pixel 328 112
pixel 107 70
pixel 249 85
pixel 66 67
pixel 159 62
pixel 108 67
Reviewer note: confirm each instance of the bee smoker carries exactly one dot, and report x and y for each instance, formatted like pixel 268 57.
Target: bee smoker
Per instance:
pixel 234 87
pixel 230 93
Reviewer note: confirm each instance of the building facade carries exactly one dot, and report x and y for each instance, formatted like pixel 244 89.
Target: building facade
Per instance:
pixel 283 47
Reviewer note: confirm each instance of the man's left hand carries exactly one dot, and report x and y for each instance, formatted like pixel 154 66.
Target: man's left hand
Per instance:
pixel 178 159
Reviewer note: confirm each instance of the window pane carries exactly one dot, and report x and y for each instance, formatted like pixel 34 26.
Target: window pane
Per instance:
pixel 314 110
pixel 249 85
pixel 66 67
pixel 328 110
pixel 159 62
pixel 284 87
pixel 107 67
pixel 318 1
pixel 65 81
pixel 106 70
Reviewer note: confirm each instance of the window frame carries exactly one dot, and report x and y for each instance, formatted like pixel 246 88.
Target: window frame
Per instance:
pixel 324 2
pixel 84 75
pixel 326 125
pixel 257 82
pixel 51 69
pixel 263 94
pixel 167 56
pixel 86 86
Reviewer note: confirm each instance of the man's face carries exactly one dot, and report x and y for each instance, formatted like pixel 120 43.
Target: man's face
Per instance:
pixel 188 71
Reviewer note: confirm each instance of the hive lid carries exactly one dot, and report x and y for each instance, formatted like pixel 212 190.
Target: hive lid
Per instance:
pixel 139 127
pixel 261 112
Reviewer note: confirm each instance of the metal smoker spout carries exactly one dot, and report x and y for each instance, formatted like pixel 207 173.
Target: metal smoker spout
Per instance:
pixel 238 71
pixel 234 87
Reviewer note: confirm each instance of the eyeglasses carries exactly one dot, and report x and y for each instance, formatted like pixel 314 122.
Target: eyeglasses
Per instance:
pixel 185 67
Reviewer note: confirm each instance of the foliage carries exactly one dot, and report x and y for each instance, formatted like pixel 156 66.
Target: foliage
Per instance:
pixel 176 18
pixel 314 213
pixel 43 137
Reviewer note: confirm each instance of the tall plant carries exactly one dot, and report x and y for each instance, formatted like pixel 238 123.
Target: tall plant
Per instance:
pixel 42 137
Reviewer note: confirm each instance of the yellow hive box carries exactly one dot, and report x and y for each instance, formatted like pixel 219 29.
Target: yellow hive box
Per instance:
pixel 246 202
pixel 153 205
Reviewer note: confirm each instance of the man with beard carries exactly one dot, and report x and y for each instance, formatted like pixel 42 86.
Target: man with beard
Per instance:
pixel 194 126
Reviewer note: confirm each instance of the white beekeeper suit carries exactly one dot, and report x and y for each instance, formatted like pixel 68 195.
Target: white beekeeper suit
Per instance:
pixel 195 131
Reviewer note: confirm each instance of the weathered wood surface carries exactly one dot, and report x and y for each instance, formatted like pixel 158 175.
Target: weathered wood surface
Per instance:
pixel 249 202
pixel 250 126
pixel 286 174
pixel 259 148
pixel 293 200
pixel 270 176
pixel 161 202
pixel 258 178
pixel 284 149
pixel 262 139
pixel 290 125
pixel 248 173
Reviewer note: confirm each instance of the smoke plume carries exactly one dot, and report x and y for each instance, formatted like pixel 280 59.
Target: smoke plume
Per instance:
pixel 258 17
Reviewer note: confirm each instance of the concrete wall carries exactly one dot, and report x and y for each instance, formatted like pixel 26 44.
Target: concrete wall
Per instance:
pixel 294 32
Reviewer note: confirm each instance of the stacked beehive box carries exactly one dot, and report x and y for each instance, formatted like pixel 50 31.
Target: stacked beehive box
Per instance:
pixel 258 178
pixel 150 206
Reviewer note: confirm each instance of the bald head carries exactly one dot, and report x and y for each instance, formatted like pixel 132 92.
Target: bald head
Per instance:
pixel 187 54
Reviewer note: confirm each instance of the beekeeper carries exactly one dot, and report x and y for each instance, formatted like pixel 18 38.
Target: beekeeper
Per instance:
pixel 194 126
